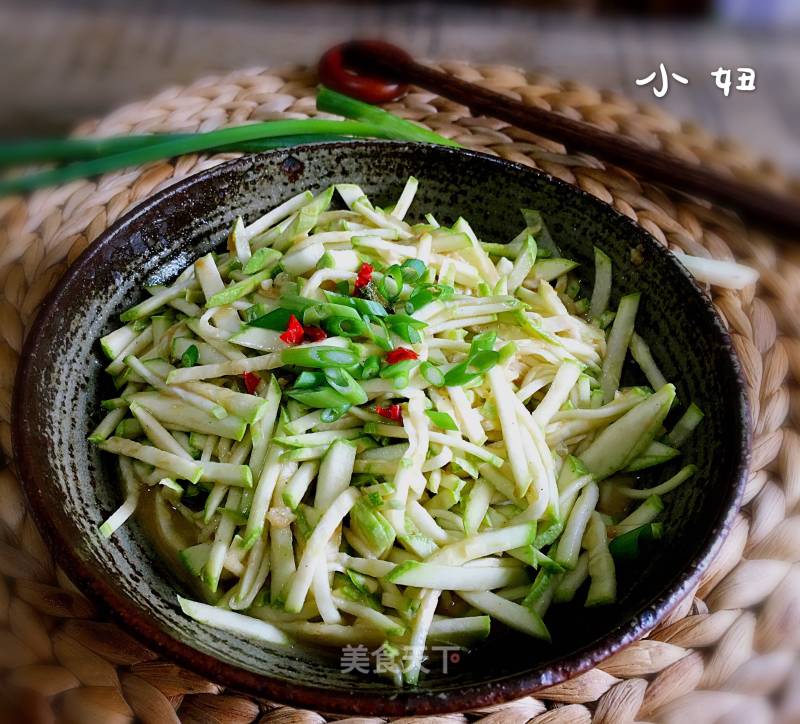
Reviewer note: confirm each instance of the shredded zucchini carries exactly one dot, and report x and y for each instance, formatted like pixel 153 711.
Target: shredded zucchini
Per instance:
pixel 359 429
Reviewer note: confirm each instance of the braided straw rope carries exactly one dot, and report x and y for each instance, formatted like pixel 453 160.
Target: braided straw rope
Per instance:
pixel 728 653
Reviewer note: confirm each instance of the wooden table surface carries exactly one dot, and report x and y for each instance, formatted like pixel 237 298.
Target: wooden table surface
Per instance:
pixel 62 61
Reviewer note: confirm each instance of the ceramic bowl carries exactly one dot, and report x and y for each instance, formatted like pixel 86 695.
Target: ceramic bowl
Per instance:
pixel 71 490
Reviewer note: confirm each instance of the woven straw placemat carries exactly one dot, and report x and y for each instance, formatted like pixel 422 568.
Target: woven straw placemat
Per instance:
pixel 729 652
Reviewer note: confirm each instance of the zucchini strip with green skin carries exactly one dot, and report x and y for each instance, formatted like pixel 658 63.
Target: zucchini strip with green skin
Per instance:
pixel 571 581
pixel 333 516
pixel 511 614
pixel 129 505
pixel 233 367
pixel 618 341
pixel 640 351
pixel 603 586
pixel 569 545
pixel 452 578
pixel 685 426
pixel 602 284
pixel 419 635
pixel 623 440
pixel 511 436
pixel 178 466
pixel 178 415
pixel 557 393
pixel 233 622
pixel 265 486
pixel 485 544
pixel 645 513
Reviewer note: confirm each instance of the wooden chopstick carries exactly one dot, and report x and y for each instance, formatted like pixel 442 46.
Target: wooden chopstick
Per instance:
pixel 777 211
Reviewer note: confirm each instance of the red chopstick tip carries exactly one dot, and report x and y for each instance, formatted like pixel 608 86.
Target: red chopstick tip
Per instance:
pixel 337 70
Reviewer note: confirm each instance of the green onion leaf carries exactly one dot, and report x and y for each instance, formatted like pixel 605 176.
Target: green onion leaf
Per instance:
pixel 442 420
pixel 366 307
pixel 296 304
pixel 332 102
pixel 277 320
pixel 483 361
pixel 628 546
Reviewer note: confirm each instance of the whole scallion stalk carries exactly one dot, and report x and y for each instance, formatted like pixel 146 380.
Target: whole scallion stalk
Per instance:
pixel 60 150
pixel 332 102
pixel 92 157
pixel 278 131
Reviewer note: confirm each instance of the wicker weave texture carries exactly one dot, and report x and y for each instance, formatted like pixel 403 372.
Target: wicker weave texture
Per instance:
pixel 728 653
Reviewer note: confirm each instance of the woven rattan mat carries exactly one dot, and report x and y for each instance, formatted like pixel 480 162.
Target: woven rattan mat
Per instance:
pixel 728 653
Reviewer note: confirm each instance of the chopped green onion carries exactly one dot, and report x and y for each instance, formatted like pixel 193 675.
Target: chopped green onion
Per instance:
pixel 427 293
pixel 319 356
pixel 365 307
pixel 413 270
pixel 391 285
pixel 406 327
pixel 332 414
pixel 308 379
pixel 343 382
pixel 472 368
pixel 277 320
pixel 346 326
pixel 432 374
pixel 324 397
pixel 483 342
pixel 402 368
pixel 441 419
pixel 628 546
pixel 371 367
pixel 319 313
pixel 189 357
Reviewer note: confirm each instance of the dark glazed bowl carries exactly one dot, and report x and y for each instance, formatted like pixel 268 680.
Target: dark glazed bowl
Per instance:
pixel 71 491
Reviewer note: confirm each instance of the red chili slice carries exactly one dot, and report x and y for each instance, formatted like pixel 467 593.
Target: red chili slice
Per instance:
pixel 294 331
pixel 401 354
pixel 364 275
pixel 393 412
pixel 315 334
pixel 251 380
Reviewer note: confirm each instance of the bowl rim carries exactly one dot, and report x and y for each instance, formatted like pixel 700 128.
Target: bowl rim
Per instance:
pixel 313 697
